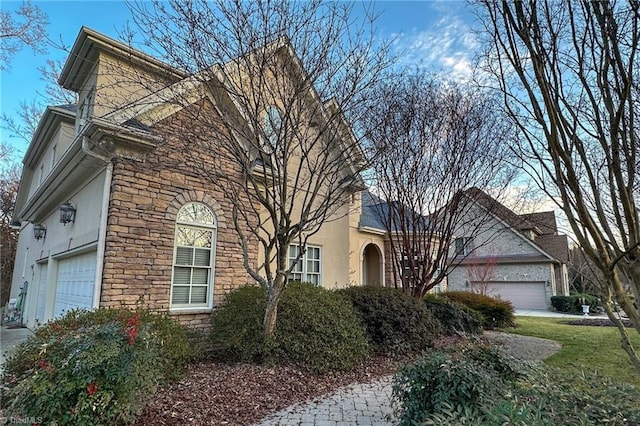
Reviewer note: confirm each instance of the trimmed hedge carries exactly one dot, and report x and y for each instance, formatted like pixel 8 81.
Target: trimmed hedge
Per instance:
pixel 454 318
pixel 315 328
pixel 496 313
pixel 573 303
pixel 93 368
pixel 394 320
pixel 237 333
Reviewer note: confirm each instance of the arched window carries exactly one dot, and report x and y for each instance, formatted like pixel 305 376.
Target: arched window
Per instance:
pixel 272 125
pixel 193 259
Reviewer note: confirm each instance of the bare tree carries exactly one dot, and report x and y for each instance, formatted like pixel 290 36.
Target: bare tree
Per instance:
pixel 285 77
pixel 24 27
pixel 9 180
pixel 482 273
pixel 568 73
pixel 23 122
pixel 437 140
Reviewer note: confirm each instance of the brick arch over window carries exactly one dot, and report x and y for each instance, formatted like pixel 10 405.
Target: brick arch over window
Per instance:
pixel 196 197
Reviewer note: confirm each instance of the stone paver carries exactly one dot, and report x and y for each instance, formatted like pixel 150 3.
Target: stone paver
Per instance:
pixel 360 404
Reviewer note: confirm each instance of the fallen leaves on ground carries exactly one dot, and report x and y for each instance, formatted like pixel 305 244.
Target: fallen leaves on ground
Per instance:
pixel 240 394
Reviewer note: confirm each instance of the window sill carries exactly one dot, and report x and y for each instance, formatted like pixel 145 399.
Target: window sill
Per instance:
pixel 186 311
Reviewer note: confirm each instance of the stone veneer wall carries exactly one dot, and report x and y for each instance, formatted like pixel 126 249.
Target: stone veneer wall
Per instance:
pixel 145 199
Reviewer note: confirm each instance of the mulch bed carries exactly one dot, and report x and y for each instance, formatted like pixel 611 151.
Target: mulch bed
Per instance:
pixel 598 322
pixel 214 393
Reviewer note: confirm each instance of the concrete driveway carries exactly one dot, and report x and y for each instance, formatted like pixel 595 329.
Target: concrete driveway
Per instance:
pixel 11 337
pixel 550 314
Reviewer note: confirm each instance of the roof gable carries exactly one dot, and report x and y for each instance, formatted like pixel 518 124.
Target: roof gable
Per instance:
pixel 546 240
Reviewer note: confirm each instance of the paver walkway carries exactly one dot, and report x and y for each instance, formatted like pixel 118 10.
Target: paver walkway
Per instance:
pixel 361 404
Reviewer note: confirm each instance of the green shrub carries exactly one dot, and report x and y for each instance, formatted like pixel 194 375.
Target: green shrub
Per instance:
pixel 549 398
pixel 495 313
pixel 319 329
pixel 395 321
pixel 483 387
pixel 573 303
pixel 90 368
pixel 459 382
pixel 454 318
pixel 315 328
pixel 237 333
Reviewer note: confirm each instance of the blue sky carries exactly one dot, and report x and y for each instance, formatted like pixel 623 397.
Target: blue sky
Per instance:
pixel 434 33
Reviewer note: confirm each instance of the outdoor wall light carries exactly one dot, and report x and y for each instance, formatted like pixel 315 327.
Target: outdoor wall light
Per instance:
pixel 67 213
pixel 39 231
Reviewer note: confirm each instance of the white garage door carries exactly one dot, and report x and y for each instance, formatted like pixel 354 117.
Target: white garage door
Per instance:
pixel 74 288
pixel 523 295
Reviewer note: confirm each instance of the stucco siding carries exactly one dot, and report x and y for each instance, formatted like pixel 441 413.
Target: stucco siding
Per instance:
pixel 37 257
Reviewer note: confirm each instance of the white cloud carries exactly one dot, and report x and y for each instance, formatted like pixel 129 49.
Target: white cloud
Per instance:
pixel 448 46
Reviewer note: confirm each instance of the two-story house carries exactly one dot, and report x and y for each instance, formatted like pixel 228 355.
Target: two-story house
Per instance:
pixel 112 215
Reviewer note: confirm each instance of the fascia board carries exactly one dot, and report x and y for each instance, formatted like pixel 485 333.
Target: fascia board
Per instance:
pixel 72 168
pixel 85 52
pixel 47 126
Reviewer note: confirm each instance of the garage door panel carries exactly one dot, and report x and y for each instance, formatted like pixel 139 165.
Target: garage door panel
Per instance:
pixel 523 295
pixel 76 277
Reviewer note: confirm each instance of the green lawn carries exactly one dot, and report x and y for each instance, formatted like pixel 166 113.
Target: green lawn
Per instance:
pixel 584 348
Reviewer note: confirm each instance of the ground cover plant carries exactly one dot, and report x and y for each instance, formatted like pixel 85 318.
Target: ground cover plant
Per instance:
pixel 92 368
pixel 476 386
pixel 316 329
pixel 468 379
pixel 394 320
pixel 588 348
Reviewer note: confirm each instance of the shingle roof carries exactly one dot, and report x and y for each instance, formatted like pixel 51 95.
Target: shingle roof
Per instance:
pixel 373 209
pixel 556 245
pixel 375 212
pixel 545 222
pixel 68 107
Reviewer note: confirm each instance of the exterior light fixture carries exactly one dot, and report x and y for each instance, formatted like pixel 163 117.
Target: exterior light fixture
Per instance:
pixel 67 213
pixel 39 231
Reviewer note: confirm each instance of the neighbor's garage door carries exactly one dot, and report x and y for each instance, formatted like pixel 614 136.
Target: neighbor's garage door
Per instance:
pixel 527 295
pixel 74 287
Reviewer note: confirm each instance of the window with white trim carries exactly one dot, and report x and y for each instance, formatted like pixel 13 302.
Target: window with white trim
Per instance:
pixel 307 268
pixel 272 125
pixel 53 156
pixel 194 257
pixel 464 246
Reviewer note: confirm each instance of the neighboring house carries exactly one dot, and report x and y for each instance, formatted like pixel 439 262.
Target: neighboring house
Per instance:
pixel 99 227
pixel 520 258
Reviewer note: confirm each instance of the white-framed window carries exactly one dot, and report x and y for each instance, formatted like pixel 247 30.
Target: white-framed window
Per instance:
pixel 307 268
pixel 85 109
pixel 54 148
pixel 410 268
pixel 194 257
pixel 272 125
pixel 464 246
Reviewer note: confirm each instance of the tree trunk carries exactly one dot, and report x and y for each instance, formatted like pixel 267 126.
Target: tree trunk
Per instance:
pixel 270 317
pixel 271 313
pixel 624 336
